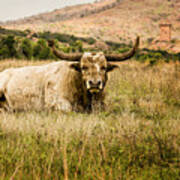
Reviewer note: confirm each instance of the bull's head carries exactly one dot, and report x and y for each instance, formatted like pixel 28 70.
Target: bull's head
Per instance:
pixel 94 66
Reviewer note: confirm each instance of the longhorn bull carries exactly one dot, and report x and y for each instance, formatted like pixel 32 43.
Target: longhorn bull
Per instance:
pixel 75 84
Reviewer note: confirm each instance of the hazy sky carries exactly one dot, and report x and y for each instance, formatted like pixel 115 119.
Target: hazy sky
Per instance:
pixel 14 9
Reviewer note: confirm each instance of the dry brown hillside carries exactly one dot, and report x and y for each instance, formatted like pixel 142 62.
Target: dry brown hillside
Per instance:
pixel 69 12
pixel 124 21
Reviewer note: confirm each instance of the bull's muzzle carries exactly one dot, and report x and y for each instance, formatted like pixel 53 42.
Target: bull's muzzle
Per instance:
pixel 94 86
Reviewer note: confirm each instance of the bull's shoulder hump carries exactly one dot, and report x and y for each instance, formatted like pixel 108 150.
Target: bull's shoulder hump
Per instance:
pixel 60 65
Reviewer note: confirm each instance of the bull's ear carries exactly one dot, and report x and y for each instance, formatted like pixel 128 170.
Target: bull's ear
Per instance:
pixel 111 67
pixel 76 66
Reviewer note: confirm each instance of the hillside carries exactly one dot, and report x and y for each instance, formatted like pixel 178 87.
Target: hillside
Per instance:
pixel 69 12
pixel 121 21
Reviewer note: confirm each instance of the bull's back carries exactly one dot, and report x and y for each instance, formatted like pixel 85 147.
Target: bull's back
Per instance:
pixel 25 87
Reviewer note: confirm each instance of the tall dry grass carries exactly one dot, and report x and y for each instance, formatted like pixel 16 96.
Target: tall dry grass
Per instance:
pixel 137 137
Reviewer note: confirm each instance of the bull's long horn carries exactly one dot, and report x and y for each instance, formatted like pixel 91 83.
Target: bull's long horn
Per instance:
pixel 124 56
pixel 64 56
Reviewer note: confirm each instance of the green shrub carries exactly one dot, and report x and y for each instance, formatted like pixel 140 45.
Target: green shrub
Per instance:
pixel 41 50
pixel 4 52
pixel 65 38
pixel 8 44
pixel 90 40
pixel 117 46
pixel 122 50
pixel 26 48
pixel 44 53
pixel 77 46
pixel 150 56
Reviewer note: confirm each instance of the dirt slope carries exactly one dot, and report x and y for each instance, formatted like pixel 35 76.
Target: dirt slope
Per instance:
pixel 124 21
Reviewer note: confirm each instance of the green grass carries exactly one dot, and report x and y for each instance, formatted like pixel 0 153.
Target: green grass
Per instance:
pixel 137 137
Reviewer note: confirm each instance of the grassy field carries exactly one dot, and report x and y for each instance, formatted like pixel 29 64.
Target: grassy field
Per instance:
pixel 137 137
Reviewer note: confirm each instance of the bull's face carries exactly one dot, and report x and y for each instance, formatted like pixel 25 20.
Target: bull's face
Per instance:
pixel 93 68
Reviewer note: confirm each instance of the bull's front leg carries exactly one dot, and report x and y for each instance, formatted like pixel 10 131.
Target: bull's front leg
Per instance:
pixel 55 101
pixel 62 105
pixel 98 106
pixel 97 103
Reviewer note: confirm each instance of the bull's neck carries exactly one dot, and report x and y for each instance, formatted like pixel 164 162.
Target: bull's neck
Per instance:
pixel 92 101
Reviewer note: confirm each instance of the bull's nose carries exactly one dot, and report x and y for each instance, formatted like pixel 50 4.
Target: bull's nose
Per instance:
pixel 95 84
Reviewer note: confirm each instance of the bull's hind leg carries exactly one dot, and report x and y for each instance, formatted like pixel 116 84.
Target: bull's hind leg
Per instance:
pixel 4 78
pixel 3 103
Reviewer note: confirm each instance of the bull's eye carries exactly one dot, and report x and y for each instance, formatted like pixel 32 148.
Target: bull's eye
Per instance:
pixel 84 68
pixel 103 68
